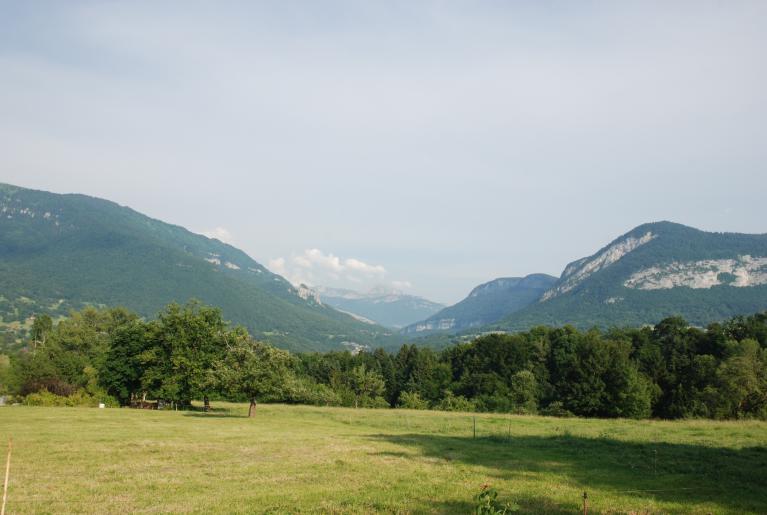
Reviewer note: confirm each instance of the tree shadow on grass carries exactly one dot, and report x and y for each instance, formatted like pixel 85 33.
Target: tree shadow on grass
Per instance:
pixel 214 415
pixel 525 504
pixel 684 473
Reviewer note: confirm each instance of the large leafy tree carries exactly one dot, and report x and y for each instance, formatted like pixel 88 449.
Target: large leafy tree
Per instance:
pixel 742 381
pixel 251 369
pixel 123 369
pixel 41 328
pixel 183 343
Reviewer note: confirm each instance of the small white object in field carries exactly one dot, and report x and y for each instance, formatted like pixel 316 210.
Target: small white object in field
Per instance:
pixel 102 405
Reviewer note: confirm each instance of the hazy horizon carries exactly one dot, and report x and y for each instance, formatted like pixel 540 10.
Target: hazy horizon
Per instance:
pixel 426 146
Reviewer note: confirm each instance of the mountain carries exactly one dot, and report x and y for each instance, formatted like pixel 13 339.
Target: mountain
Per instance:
pixel 654 271
pixel 486 304
pixel 386 307
pixel 64 252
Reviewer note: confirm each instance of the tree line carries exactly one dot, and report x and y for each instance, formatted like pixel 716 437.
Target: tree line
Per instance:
pixel 189 352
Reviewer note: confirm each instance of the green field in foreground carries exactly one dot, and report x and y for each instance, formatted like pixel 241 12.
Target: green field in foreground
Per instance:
pixel 338 460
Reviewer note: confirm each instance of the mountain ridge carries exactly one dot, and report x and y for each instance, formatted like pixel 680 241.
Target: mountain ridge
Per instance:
pixel 63 251
pixel 485 304
pixel 390 308
pixel 656 270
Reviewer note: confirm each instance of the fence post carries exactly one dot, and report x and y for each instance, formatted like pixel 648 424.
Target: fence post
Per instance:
pixel 7 476
pixel 585 503
pixel 475 426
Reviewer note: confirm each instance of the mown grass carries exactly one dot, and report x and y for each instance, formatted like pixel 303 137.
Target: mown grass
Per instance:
pixel 337 460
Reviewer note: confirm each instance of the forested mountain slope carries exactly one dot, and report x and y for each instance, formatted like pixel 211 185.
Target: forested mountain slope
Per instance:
pixel 62 252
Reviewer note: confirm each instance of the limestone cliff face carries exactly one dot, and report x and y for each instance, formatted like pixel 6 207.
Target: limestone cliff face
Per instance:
pixel 308 294
pixel 654 271
pixel 577 272
pixel 741 272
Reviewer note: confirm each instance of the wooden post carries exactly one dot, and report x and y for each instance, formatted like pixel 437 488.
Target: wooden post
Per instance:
pixel 509 427
pixel 475 426
pixel 7 476
pixel 585 503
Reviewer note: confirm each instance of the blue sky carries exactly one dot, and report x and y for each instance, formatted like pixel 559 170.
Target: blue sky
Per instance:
pixel 429 146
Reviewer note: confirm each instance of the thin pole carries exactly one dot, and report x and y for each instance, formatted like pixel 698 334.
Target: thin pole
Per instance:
pixel 475 426
pixel 585 503
pixel 7 476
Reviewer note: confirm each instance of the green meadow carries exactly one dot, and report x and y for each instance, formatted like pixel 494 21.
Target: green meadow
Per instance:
pixel 341 460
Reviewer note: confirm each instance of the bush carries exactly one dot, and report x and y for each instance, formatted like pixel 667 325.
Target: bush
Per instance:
pixel 412 400
pixel 556 409
pixel 78 399
pixel 487 503
pixel 456 403
pixel 301 390
pixel 373 402
pixel 494 403
pixel 524 392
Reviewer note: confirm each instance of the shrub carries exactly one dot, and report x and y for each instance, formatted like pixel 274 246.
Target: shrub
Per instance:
pixel 302 390
pixel 78 399
pixel 456 403
pixel 524 392
pixel 412 400
pixel 373 402
pixel 495 403
pixel 487 503
pixel 556 409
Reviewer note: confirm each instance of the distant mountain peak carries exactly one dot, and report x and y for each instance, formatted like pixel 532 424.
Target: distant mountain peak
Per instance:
pixel 388 307
pixel 383 290
pixel 486 304
pixel 654 271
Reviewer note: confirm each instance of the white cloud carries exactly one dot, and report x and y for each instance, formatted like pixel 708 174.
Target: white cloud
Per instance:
pixel 219 233
pixel 277 265
pixel 401 285
pixel 364 268
pixel 302 262
pixel 317 268
pixel 322 260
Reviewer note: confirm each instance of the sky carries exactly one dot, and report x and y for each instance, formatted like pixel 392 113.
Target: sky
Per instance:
pixel 427 146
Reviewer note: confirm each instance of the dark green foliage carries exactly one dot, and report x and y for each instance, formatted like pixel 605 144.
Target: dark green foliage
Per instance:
pixel 189 352
pixel 124 364
pixel 411 400
pixel 182 345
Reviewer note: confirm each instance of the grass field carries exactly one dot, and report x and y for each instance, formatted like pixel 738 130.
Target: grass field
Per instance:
pixel 336 460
